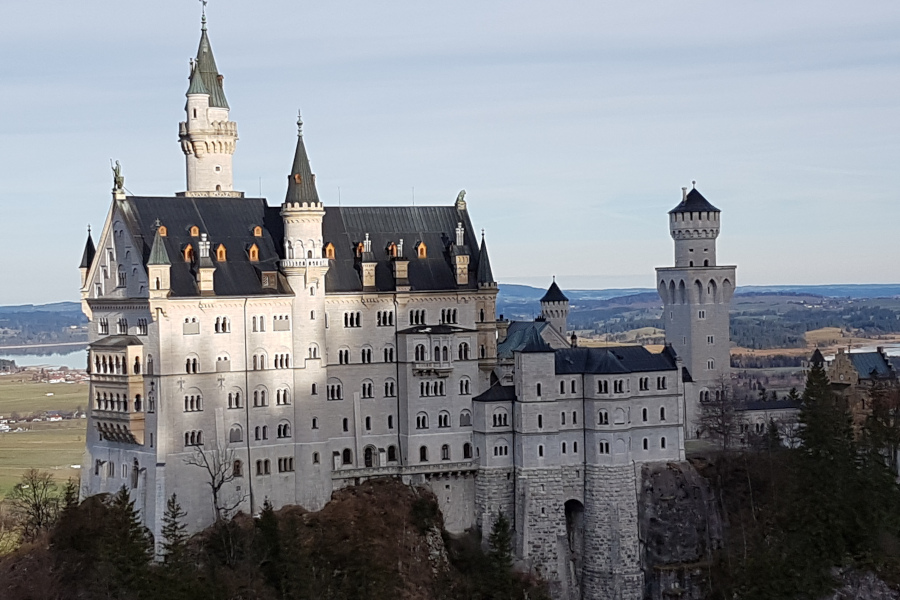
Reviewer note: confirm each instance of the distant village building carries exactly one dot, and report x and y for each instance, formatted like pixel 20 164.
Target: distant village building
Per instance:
pixel 302 348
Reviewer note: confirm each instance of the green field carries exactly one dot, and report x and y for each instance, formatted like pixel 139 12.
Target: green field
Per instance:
pixel 52 447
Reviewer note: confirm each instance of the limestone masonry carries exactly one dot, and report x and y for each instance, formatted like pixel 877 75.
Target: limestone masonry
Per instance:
pixel 242 352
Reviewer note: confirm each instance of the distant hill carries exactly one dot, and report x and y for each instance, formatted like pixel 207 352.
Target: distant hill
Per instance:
pixel 55 307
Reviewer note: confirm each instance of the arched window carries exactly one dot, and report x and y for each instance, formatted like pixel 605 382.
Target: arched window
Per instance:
pixel 392 454
pixel 422 421
pixel 644 415
pixel 347 457
pixel 195 231
pixel 236 434
pixel 369 457
pixel 662 443
pixel 603 417
pixel 253 253
pixel 329 251
pixel 220 253
pixel 443 419
pixel 538 389
pixel 188 253
pixel 237 468
pixel 421 250
pixel 257 231
pixel 445 452
pixel 423 453
pixel 662 413
pixel 465 419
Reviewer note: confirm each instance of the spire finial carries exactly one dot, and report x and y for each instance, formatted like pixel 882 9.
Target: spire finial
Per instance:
pixel 482 233
pixel 89 230
pixel 299 124
pixel 694 183
pixel 203 17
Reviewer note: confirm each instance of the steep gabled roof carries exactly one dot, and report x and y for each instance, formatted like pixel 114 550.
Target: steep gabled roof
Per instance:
pixel 612 360
pixel 87 258
pixel 196 86
pixel 871 365
pixel 694 202
pixel 554 294
pixel 497 393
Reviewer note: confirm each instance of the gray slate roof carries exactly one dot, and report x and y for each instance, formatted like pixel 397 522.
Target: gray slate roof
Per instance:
pixel 301 183
pixel 871 365
pixel 694 202
pixel 518 336
pixel 554 294
pixel 497 393
pixel 612 360
pixel 230 221
pixel 345 227
pixel 485 274
pixel 227 221
pixel 158 253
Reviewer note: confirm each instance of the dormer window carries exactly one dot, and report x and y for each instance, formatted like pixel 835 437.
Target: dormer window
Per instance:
pixel 253 252
pixel 220 253
pixel 257 231
pixel 188 253
pixel 298 179
pixel 360 248
pixel 421 250
pixel 195 231
pixel 392 250
pixel 329 251
pixel 163 231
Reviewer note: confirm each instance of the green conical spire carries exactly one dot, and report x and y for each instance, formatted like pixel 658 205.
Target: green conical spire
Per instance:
pixel 206 66
pixel 196 86
pixel 158 253
pixel 301 182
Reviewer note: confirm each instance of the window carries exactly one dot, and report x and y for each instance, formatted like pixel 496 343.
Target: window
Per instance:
pixel 345 424
pixel 646 444
pixel 501 448
pixel 500 418
pixel 352 319
pixel 618 386
pixel 344 356
pixel 347 457
pixel 417 317
pixel 701 314
pixel 574 447
pixel 392 454
pixel 540 450
pixel 421 250
pixel 335 391
pixel 237 468
pixel 121 276
pixel 540 421
pixel 710 364
pixel 389 354
pixel 538 389
pixel 284 430
pixel 286 464
pixel 572 386
pixel 281 323
pixel 661 383
pixel 574 418
pixel 662 443
pixel 644 415
pixel 710 340
pixel 193 403
pixel 445 452
pixel 390 389
pixel 385 318
pixel 236 434
pixel 367 390
pixel 421 353
pixel 282 397
pixel 368 423
pixel 193 438
pixel 260 398
pixel 314 389
pixel 142 327
pixel 422 421
pixel 603 418
pixel 562 418
pixel 467 450
pixel 315 458
pixel 263 467
pixel 390 421
pixel 562 387
pixel 448 315
pixel 423 454
pixel 315 423
pixel 103 326
pixel 444 419
pixel 122 326
pixel 191 365
pixel 603 387
pixel 662 413
pixel 463 351
pixel 253 255
pixel 604 447
pixel 366 355
pixel 644 384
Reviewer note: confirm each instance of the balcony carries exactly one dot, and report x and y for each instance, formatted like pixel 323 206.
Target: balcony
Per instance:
pixel 303 263
pixel 433 368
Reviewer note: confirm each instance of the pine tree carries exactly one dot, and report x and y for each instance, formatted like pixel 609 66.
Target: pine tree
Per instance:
pixel 174 532
pixel 125 550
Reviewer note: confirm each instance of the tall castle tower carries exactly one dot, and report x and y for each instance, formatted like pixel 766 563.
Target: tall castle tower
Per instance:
pixel 555 308
pixel 207 136
pixel 696 294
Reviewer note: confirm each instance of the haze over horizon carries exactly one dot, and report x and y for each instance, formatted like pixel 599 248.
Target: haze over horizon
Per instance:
pixel 572 129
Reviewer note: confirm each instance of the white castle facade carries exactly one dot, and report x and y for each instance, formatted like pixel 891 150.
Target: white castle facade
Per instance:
pixel 297 349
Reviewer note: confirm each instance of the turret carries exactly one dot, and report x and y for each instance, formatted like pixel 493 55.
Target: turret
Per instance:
pixel 555 308
pixel 159 266
pixel 207 137
pixel 485 274
pixel 694 225
pixel 87 258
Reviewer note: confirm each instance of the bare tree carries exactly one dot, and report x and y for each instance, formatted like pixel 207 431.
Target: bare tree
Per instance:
pixel 718 415
pixel 35 502
pixel 219 465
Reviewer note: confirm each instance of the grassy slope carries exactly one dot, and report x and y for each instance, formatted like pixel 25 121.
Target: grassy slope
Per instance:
pixel 53 447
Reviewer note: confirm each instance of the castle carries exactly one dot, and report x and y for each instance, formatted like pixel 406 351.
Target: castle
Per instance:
pixel 241 352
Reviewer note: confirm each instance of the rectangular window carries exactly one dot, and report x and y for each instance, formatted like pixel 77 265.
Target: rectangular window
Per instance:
pixel 142 327
pixel 701 314
pixel 710 339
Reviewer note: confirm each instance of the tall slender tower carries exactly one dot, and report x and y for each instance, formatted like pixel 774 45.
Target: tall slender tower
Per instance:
pixel 207 136
pixel 696 294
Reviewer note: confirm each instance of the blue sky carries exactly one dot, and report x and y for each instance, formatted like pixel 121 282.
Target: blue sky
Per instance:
pixel 572 125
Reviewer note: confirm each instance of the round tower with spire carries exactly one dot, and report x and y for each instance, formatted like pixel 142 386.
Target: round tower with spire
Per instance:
pixel 555 308
pixel 208 137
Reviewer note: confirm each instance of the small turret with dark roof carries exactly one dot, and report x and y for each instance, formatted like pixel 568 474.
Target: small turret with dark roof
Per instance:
pixel 693 201
pixel 206 67
pixel 694 225
pixel 555 308
pixel 159 256
pixel 87 258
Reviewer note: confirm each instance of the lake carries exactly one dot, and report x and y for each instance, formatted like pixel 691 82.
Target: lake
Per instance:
pixel 75 359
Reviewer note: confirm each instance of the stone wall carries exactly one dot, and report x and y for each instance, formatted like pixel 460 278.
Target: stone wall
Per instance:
pixel 494 493
pixel 612 561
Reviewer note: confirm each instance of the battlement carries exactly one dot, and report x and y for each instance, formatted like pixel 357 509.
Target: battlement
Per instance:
pixel 301 206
